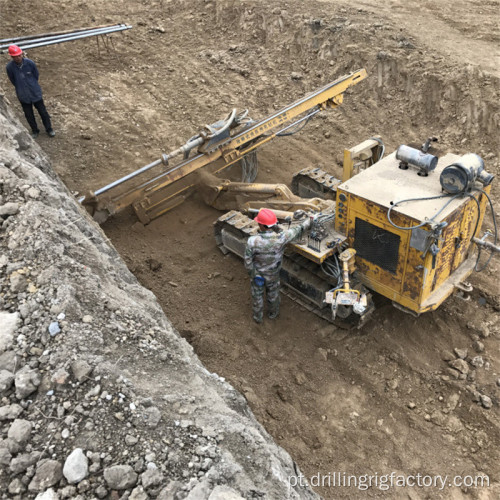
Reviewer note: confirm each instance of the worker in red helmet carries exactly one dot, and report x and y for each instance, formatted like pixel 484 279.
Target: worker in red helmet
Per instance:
pixel 23 74
pixel 263 257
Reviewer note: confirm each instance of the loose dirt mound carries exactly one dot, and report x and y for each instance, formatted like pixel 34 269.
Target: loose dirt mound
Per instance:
pixel 384 399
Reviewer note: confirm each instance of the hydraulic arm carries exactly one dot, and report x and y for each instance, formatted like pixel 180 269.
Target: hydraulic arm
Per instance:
pixel 218 146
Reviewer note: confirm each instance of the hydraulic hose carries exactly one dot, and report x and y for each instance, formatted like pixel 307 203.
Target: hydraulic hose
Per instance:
pixel 420 199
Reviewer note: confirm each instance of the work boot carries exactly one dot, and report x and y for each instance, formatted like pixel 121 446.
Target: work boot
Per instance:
pixel 257 319
pixel 51 133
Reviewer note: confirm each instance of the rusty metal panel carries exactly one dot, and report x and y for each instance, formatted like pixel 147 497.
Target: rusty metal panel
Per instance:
pixel 413 282
pixel 446 255
pixel 468 225
pixel 417 282
pixel 464 236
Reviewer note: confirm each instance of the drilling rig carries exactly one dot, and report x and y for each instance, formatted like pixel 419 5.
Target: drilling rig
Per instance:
pixel 405 226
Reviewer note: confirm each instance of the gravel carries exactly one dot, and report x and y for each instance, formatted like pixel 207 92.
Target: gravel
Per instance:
pixel 84 352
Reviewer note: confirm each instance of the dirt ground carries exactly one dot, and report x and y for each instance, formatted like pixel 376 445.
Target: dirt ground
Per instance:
pixel 375 401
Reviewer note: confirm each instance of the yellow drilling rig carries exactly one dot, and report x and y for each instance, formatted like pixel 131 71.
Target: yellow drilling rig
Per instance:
pixel 406 226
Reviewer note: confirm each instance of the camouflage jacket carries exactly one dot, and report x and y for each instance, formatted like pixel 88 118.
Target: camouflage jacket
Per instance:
pixel 264 251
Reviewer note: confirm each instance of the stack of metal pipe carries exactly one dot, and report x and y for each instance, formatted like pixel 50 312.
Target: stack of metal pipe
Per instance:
pixel 34 41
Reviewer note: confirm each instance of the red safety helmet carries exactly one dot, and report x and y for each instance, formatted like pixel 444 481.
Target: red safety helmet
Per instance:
pixel 266 217
pixel 14 50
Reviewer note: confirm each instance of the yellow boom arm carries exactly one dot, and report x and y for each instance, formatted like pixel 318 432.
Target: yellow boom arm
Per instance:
pixel 216 152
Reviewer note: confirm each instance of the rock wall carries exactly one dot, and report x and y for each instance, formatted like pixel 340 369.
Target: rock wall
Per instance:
pixel 100 396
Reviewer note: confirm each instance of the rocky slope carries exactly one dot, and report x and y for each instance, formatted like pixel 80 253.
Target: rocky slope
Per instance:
pixel 100 396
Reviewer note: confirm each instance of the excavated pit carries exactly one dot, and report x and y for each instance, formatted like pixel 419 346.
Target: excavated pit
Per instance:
pixel 380 400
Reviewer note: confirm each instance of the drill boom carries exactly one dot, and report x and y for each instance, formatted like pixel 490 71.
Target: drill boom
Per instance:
pixel 217 151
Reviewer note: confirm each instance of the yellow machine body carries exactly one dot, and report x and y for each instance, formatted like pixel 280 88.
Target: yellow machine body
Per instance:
pixel 399 263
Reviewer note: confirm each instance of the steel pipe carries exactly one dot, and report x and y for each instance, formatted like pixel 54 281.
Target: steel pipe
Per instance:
pixel 55 33
pixel 127 177
pixel 411 156
pixel 90 32
pixel 486 244
pixel 70 38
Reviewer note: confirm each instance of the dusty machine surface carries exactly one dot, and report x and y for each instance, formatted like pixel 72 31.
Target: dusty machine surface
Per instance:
pixel 406 227
pixel 413 242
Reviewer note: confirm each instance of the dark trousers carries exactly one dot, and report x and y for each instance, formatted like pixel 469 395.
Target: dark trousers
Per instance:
pixel 272 289
pixel 30 115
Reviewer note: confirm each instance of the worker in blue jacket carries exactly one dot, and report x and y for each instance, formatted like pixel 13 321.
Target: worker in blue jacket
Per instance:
pixel 23 74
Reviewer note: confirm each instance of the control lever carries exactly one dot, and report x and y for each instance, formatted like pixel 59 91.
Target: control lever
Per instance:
pixel 432 242
pixel 434 249
pixel 486 244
